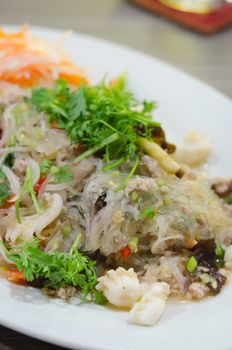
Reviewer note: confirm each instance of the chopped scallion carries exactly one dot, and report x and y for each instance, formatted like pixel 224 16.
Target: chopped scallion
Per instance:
pixel 191 264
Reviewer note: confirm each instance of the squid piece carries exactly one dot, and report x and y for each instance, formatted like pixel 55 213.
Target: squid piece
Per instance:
pixel 121 287
pixel 150 308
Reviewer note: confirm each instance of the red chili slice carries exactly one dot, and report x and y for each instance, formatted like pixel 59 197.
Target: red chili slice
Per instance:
pixel 38 185
pixel 125 253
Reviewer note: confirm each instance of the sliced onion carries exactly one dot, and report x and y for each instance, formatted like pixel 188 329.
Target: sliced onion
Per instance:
pixel 54 141
pixel 35 224
pixel 71 204
pixel 159 241
pixel 63 195
pixel 76 214
pixel 7 216
pixel 56 187
pixel 75 192
pixel 13 149
pixel 4 257
pixel 11 92
pixel 34 167
pixel 8 124
pixel 180 279
pixel 13 180
pixel 81 170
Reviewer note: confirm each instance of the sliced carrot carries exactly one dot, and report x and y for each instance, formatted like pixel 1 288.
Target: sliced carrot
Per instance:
pixel 73 79
pixel 15 276
pixel 38 61
pixel 26 77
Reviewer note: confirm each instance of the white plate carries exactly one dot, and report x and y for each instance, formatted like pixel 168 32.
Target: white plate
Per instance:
pixel 184 103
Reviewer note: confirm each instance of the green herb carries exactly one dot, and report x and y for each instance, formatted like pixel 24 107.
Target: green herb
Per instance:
pixel 4 188
pixel 191 264
pixel 56 268
pixel 4 193
pixel 2 176
pixel 62 174
pixel 91 115
pixel 27 188
pixel 99 298
pixel 113 164
pixel 89 152
pixel 220 253
pixel 9 160
pixel 45 166
pixel 149 213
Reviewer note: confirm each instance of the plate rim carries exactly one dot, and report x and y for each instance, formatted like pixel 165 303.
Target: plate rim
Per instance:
pixel 121 47
pixel 53 30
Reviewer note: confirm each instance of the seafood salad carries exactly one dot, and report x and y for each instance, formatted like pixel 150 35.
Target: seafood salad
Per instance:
pixel 94 200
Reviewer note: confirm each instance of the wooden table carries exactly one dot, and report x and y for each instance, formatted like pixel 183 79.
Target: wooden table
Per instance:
pixel 208 58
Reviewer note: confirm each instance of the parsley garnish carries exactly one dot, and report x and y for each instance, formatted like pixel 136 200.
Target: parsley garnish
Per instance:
pixel 2 176
pixel 4 188
pixel 99 117
pixel 56 268
pixel 4 193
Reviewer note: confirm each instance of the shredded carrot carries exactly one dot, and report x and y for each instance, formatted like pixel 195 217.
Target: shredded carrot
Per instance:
pixel 25 78
pixel 73 79
pixel 28 61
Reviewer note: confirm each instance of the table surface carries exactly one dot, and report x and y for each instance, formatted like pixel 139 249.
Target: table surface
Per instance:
pixel 207 58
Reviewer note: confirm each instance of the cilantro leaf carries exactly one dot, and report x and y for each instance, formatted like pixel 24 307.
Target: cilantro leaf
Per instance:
pixel 104 119
pixel 4 188
pixel 93 114
pixel 76 104
pixel 56 268
pixel 4 193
